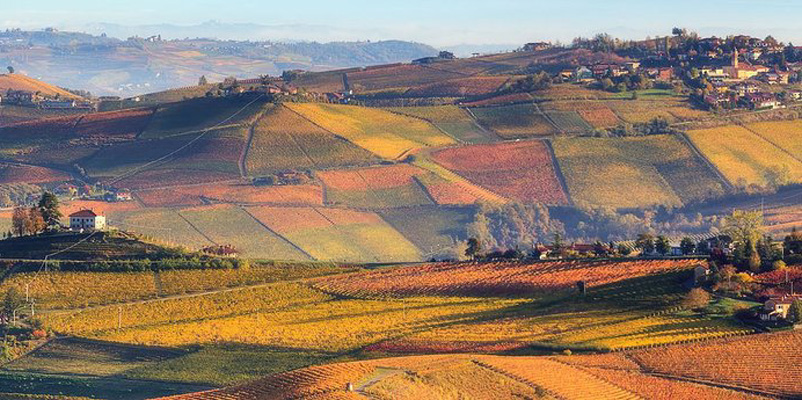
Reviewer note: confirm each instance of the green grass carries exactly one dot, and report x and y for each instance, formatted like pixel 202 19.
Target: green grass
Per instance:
pixel 434 230
pixel 233 226
pixel 633 172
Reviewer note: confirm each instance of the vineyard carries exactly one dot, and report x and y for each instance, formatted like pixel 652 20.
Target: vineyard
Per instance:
pixel 522 170
pixel 375 187
pixel 284 140
pixel 473 86
pixel 761 362
pixel 434 230
pixel 451 119
pixel 237 193
pixel 384 133
pixel 656 170
pixel 742 156
pixel 495 279
pixel 397 76
pixel 116 124
pixel 786 135
pixel 16 173
pixel 514 121
pixel 195 115
pixel 233 226
pixel 338 234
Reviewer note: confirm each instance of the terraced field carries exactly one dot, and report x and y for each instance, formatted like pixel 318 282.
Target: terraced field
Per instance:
pixel 397 77
pixel 233 226
pixel 338 234
pixel 518 170
pixel 386 134
pixel 744 157
pixel 462 87
pixel 655 170
pixel 283 140
pixel 515 121
pixel 451 119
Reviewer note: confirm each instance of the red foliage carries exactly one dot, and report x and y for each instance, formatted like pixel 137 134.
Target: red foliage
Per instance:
pixel 519 170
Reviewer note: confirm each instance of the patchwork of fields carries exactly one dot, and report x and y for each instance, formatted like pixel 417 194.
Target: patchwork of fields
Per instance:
pixel 654 170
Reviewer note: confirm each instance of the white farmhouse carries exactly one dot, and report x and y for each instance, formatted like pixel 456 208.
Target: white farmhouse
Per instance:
pixel 86 220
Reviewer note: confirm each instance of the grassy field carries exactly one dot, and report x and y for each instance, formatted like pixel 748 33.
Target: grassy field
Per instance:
pixel 516 121
pixel 451 119
pixel 232 225
pixel 230 192
pixel 338 234
pixel 744 157
pixel 655 170
pixel 285 140
pixel 165 224
pixel 386 134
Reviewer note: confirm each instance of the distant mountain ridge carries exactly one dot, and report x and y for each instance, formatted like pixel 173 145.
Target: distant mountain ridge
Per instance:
pixel 106 65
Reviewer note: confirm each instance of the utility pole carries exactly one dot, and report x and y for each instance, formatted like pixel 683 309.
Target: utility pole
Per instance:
pixel 28 286
pixel 33 312
pixel 119 317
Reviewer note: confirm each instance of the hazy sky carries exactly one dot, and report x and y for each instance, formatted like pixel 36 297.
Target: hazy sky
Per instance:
pixel 436 22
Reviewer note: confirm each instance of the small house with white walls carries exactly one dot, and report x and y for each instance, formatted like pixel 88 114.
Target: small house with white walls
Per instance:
pixel 85 220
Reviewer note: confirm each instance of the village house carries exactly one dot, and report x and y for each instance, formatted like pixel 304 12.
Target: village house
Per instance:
pixel 86 220
pixel 776 308
pixel 602 70
pixel 762 101
pixel 583 75
pixel 538 46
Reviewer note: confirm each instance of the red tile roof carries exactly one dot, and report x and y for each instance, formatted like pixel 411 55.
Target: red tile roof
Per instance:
pixel 83 214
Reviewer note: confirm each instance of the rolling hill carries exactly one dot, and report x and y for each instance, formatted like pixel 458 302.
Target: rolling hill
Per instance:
pixel 28 84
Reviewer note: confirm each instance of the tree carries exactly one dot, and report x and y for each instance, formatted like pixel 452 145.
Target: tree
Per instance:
pixel 474 248
pixel 12 301
pixel 696 298
pixel 687 246
pixel 10 69
pixel 557 245
pixel 624 250
pixel 49 209
pixel 19 221
pixel 662 245
pixel 645 242
pixel 36 222
pixel 203 81
pixel 795 312
pixel 745 229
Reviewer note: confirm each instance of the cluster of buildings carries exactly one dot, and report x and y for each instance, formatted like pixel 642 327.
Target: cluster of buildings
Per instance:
pixel 36 99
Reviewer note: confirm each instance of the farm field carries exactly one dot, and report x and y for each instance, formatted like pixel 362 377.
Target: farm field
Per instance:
pixel 18 173
pixel 396 77
pixel 515 121
pixel 285 140
pixel 386 134
pixel 744 157
pixel 198 114
pixel 434 230
pixel 656 170
pixel 748 361
pixel 494 279
pixel 523 171
pixel 461 87
pixel 375 187
pixel 225 224
pixel 338 234
pixel 451 119
pixel 786 135
pixel 237 193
